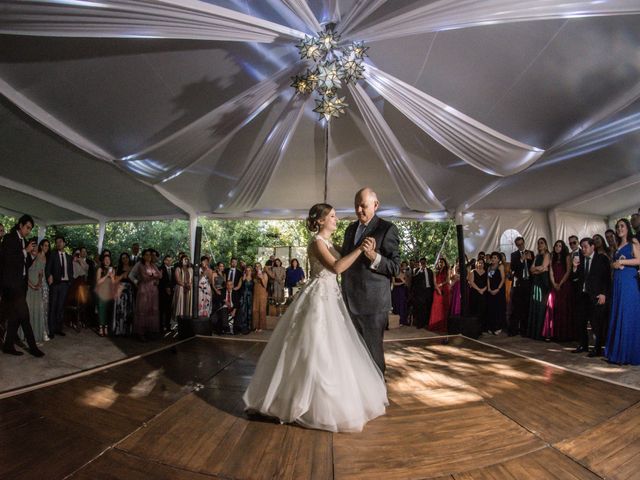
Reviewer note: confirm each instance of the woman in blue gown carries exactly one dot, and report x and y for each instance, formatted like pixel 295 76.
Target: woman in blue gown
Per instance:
pixel 623 342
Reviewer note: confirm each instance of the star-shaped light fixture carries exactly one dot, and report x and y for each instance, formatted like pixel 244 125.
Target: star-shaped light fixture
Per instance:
pixel 332 68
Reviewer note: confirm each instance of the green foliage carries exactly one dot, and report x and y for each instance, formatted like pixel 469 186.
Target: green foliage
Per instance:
pixel 223 239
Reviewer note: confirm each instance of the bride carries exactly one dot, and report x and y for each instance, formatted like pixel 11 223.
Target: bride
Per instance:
pixel 316 370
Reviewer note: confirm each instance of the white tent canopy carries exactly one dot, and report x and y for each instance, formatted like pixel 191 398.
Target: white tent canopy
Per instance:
pixel 520 114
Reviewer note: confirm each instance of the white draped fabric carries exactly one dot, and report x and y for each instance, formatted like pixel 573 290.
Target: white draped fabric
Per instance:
pixel 453 14
pixel 483 228
pixel 473 142
pixel 414 191
pixel 189 145
pixel 256 175
pixel 564 224
pixel 302 10
pixel 360 11
pixel 183 19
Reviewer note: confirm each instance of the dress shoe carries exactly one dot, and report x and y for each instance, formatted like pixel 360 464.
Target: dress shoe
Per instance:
pixel 579 350
pixel 62 334
pixel 12 351
pixel 36 352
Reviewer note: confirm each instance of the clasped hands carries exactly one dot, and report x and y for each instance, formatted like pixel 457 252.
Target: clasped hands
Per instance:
pixel 368 246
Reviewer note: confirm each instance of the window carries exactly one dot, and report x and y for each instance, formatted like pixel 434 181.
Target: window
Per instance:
pixel 506 241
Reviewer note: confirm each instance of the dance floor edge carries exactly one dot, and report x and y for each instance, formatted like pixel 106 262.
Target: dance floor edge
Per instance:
pixel 461 410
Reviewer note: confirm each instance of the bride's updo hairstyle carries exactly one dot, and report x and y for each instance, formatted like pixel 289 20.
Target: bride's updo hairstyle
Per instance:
pixel 317 213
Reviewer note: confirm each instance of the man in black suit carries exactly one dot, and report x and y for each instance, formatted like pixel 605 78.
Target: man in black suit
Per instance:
pixel 135 253
pixel 593 277
pixel 228 308
pixel 233 273
pixel 15 259
pixel 59 272
pixel 165 290
pixel 521 261
pixel 366 285
pixel 635 223
pixel 422 284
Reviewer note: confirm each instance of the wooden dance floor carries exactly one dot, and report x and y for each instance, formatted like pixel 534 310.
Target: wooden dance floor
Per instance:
pixel 458 411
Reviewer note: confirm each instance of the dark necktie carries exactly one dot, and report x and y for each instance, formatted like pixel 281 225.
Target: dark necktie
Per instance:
pixel 359 232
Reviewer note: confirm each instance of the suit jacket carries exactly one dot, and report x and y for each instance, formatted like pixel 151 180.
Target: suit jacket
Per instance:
pixel 518 265
pixel 13 264
pixel 167 280
pixel 237 279
pixel 419 283
pixel 598 280
pixel 368 291
pixel 54 267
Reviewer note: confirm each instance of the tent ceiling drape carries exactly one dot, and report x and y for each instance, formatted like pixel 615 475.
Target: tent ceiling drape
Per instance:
pixel 119 109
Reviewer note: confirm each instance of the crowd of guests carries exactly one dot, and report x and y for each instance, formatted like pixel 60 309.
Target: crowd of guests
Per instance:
pixel 45 289
pixel 588 288
pixel 586 292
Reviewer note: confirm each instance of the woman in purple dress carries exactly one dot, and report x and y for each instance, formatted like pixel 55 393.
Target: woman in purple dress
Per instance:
pixel 147 319
pixel 623 343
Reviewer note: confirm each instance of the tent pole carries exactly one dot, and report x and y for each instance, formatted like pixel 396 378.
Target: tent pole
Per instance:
pixel 102 228
pixel 462 264
pixel 326 160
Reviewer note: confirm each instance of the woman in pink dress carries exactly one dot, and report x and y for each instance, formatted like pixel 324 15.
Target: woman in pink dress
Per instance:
pixel 440 306
pixel 147 319
pixel 557 321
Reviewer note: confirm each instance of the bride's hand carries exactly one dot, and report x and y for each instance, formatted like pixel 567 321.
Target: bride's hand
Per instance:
pixel 367 244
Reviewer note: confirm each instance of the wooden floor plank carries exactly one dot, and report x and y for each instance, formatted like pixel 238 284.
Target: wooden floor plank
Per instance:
pixel 542 464
pixel 612 448
pixel 118 465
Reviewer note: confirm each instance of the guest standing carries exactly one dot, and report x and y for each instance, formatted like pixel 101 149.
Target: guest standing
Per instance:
pixel 205 303
pixel 15 260
pixel 147 318
pixel 558 321
pixel 601 245
pixel 623 343
pixel 539 290
pixel 612 242
pixel 277 274
pixel 456 294
pixel 593 275
pixel 218 283
pixel 105 292
pixel 422 287
pixel 165 291
pixel 246 301
pixel 440 307
pixel 521 261
pixel 400 294
pixel 122 322
pixel 182 296
pixel 36 281
pixel 478 300
pixel 59 273
pixel 260 296
pixel 294 275
pixel 496 298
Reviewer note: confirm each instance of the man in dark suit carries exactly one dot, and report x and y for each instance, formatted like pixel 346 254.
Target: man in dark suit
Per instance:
pixel 228 308
pixel 635 223
pixel 593 277
pixel 233 273
pixel 521 261
pixel 59 272
pixel 165 291
pixel 366 284
pixel 15 259
pixel 422 284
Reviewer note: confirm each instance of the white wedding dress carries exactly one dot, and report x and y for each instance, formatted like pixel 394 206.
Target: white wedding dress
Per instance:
pixel 316 370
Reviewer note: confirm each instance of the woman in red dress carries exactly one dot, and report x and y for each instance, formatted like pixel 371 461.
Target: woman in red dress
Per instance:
pixel 557 321
pixel 440 306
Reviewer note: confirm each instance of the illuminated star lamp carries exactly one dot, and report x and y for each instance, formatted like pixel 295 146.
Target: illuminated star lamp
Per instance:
pixel 333 66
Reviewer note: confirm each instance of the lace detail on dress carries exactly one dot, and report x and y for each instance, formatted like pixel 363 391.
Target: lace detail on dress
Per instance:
pixel 317 269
